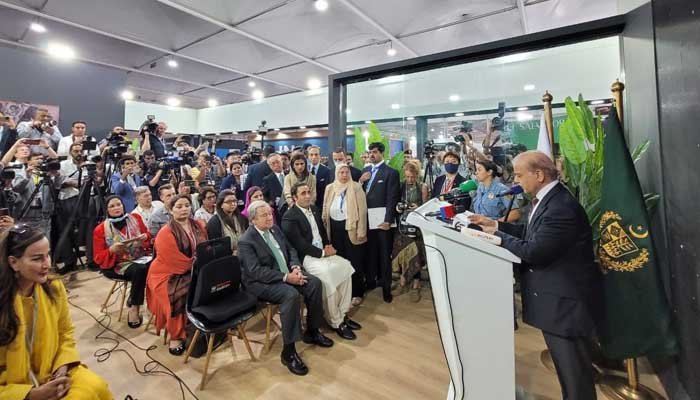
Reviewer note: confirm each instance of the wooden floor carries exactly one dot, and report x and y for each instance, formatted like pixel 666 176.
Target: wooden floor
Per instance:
pixel 397 355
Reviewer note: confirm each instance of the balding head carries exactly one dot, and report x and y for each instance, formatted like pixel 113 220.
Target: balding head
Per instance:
pixel 534 170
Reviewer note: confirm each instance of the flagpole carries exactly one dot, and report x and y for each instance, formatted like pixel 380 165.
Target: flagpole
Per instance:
pixel 549 119
pixel 613 386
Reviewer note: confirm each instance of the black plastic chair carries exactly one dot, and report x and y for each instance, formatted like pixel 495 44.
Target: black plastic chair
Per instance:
pixel 216 304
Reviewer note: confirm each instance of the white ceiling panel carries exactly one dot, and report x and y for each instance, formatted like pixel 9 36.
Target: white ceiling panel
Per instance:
pixel 232 12
pixel 155 83
pixel 187 69
pixel 299 75
pixel 555 14
pixel 267 88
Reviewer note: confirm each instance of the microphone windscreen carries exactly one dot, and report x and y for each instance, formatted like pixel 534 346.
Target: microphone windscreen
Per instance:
pixel 468 186
pixel 517 189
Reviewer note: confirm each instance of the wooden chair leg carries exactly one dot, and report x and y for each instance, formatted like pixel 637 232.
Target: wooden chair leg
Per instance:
pixel 165 336
pixel 268 319
pixel 189 349
pixel 210 347
pixel 241 331
pixel 109 296
pixel 121 309
pixel 230 336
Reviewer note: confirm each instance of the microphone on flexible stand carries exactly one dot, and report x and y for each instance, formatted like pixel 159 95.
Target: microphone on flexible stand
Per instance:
pixel 517 189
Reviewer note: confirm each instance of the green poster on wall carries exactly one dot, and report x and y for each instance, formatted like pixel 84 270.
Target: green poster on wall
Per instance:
pixel 527 132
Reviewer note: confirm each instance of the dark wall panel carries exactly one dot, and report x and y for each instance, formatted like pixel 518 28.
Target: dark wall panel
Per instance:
pixel 677 30
pixel 82 91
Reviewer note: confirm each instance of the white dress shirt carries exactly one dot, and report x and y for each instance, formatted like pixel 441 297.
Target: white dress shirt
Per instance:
pixel 339 208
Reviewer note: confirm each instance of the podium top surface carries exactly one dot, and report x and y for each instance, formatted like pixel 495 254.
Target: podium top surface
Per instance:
pixel 442 229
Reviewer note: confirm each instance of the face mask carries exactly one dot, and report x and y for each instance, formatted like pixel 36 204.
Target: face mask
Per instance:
pixel 117 219
pixel 451 168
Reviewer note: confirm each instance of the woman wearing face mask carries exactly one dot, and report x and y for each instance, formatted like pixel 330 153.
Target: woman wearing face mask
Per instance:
pixel 169 274
pixel 38 355
pixel 118 242
pixel 299 173
pixel 451 179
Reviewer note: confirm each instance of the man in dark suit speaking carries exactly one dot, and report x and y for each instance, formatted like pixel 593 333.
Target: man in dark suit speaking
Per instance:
pixel 272 272
pixel 562 289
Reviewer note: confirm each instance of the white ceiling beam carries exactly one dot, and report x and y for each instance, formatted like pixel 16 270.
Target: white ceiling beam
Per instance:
pixel 241 32
pixel 123 68
pixel 377 26
pixel 142 44
pixel 523 16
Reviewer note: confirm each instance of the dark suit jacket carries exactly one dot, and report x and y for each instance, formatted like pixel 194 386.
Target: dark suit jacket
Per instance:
pixel 272 190
pixel 440 180
pixel 323 178
pixel 298 231
pixel 355 174
pixel 230 182
pixel 562 288
pixel 257 261
pixel 385 191
pixel 215 227
pixel 9 137
pixel 256 173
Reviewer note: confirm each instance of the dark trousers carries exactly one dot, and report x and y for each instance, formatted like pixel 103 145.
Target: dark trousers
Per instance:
pixel 351 252
pixel 65 250
pixel 136 274
pixel 287 296
pixel 573 362
pixel 379 245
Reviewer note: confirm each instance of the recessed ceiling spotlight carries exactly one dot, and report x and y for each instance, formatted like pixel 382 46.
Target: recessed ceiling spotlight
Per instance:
pixel 523 108
pixel 173 101
pixel 172 63
pixel 127 95
pixel 37 27
pixel 432 129
pixel 368 122
pixel 61 51
pixel 459 115
pixel 251 84
pixel 212 103
pixel 410 118
pixel 596 102
pixel 529 87
pixel 391 51
pixel 454 97
pixel 395 106
pixel 258 94
pixel 302 127
pixel 321 5
pixel 313 83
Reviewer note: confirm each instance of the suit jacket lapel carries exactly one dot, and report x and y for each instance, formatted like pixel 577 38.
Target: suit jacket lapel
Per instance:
pixel 262 243
pixel 543 205
pixel 302 218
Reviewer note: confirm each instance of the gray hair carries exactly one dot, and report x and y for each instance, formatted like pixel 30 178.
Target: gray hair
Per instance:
pixel 253 208
pixel 141 190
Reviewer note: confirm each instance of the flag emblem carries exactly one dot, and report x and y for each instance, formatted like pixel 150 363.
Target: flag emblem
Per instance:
pixel 619 250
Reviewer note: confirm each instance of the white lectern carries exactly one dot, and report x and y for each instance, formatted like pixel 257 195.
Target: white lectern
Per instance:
pixel 473 293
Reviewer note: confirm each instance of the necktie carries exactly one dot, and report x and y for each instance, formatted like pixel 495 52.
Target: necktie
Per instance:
pixel 371 179
pixel 280 177
pixel 313 170
pixel 281 263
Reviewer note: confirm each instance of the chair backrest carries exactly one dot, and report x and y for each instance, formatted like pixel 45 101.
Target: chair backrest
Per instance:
pixel 215 280
pixel 211 250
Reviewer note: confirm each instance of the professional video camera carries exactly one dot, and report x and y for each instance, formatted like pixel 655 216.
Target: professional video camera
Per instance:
pixel 465 129
pixel 149 125
pixel 89 144
pixel 49 165
pixel 117 145
pixel 429 149
pixel 262 129
pixel 48 122
pixel 251 155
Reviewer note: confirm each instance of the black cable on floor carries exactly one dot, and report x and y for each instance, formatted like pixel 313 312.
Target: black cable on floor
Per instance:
pixel 148 369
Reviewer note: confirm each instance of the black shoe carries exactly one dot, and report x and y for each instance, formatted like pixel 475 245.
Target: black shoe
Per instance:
pixel 388 297
pixel 352 324
pixel 317 338
pixel 294 364
pixel 177 351
pixel 134 325
pixel 344 331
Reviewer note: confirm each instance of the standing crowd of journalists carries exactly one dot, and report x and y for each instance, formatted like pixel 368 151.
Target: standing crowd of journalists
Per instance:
pixel 297 226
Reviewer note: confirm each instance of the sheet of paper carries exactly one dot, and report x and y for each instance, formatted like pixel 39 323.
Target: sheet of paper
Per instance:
pixel 375 216
pixel 143 259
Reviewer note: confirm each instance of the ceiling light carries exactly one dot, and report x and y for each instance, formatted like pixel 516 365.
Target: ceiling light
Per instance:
pixel 409 118
pixel 391 51
pixel 596 102
pixel 61 51
pixel 321 5
pixel 523 108
pixel 302 127
pixel 441 137
pixel 313 83
pixel 368 122
pixel 432 129
pixel 395 106
pixel 258 94
pixel 454 97
pixel 127 95
pixel 251 84
pixel 212 103
pixel 37 27
pixel 348 111
pixel 172 63
pixel 173 101
pixel 524 116
pixel 529 87
pixel 459 115
pixel 277 129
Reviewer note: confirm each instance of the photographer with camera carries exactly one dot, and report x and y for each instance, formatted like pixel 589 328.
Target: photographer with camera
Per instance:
pixel 78 135
pixel 42 126
pixel 8 133
pixel 39 198
pixel 209 170
pixel 258 171
pixel 72 176
pixel 152 171
pixel 153 135
pixel 125 182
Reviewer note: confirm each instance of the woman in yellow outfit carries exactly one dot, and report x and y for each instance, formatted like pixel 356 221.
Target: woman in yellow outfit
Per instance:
pixel 38 357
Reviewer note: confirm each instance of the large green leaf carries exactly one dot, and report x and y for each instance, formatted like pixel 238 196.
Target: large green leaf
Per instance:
pixel 396 163
pixel 639 151
pixel 359 148
pixel 576 119
pixel 572 143
pixel 588 124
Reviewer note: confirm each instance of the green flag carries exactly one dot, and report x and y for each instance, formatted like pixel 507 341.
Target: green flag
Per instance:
pixel 638 318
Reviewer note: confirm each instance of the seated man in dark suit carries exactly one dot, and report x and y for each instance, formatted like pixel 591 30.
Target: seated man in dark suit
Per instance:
pixel 304 229
pixel 273 273
pixel 562 290
pixel 273 186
